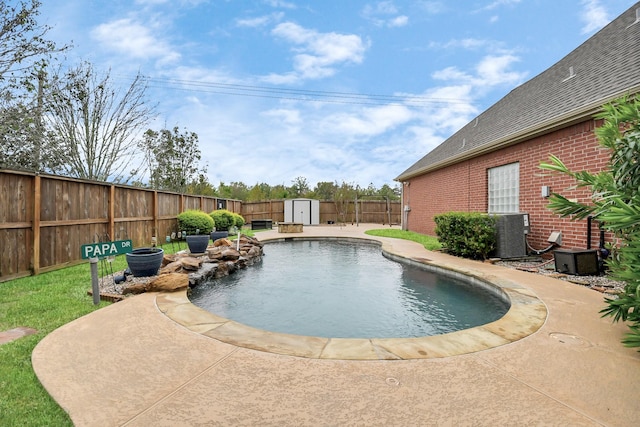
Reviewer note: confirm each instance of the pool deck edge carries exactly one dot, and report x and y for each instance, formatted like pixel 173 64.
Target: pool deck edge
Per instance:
pixel 525 316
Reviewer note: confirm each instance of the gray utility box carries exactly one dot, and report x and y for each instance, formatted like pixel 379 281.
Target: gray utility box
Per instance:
pixel 510 235
pixel 580 262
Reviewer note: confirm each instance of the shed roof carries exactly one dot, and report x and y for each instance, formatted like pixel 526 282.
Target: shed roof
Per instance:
pixel 603 68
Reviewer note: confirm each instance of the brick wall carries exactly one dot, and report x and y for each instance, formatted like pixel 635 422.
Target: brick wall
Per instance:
pixel 463 186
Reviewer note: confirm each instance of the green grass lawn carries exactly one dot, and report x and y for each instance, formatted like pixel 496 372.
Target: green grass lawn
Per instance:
pixel 429 242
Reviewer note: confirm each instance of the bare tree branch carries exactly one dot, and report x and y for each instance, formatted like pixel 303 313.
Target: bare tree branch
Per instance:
pixel 96 125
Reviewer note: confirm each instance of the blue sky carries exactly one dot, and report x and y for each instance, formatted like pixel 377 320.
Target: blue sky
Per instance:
pixel 354 91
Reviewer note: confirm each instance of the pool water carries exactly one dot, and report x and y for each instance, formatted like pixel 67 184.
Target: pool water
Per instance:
pixel 334 289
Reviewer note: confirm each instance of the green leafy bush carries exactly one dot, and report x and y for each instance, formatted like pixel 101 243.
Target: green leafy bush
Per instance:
pixel 195 222
pixel 615 202
pixel 223 219
pixel 238 220
pixel 467 234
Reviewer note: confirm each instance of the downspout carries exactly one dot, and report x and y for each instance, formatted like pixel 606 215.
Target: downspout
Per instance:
pixel 406 206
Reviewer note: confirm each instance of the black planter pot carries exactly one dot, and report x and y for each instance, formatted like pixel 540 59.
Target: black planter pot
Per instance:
pixel 215 235
pixel 198 243
pixel 144 262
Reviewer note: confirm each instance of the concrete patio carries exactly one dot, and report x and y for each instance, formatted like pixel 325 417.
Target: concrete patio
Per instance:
pixel 152 360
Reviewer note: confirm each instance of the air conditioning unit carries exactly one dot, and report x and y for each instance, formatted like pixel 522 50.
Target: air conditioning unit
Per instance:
pixel 510 235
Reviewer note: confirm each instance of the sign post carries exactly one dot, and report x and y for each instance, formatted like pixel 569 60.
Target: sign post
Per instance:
pixel 94 251
pixel 95 288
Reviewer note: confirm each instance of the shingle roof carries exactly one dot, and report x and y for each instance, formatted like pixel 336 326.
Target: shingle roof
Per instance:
pixel 604 67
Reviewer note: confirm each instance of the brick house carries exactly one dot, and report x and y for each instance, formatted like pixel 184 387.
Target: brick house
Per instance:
pixel 491 164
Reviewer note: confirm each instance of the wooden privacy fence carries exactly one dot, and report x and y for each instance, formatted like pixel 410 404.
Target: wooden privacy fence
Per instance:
pixel 348 211
pixel 45 219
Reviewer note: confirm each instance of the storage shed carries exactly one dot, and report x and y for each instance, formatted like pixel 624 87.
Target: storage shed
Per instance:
pixel 303 211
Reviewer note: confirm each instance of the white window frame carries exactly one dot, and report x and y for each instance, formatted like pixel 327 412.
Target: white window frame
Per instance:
pixel 504 188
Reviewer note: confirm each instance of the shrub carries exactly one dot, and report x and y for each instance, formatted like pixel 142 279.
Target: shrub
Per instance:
pixel 615 201
pixel 238 220
pixel 223 219
pixel 195 222
pixel 467 234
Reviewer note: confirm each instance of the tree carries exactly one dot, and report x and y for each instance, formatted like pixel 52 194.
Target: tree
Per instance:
pixel 94 125
pixel 22 39
pixel 202 187
pixel 20 133
pixel 615 202
pixel 324 190
pixel 173 159
pixel 259 192
pixel 24 54
pixel 300 187
pixel 344 199
pixel 388 192
pixel 235 190
pixel 279 191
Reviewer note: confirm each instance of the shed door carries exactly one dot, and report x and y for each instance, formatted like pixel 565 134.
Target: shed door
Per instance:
pixel 302 211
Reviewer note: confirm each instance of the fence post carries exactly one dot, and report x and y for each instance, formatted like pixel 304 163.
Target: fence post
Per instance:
pixel 35 223
pixel 156 208
pixel 112 211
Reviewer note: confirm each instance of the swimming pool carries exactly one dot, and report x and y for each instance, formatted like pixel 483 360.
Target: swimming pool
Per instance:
pixel 342 289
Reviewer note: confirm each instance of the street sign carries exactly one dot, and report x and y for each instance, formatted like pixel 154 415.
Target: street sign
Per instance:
pixel 105 249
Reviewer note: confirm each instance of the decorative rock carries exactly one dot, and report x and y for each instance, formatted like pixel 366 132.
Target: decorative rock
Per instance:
pixel 191 263
pixel 578 281
pixel 215 252
pixel 230 254
pixel 173 267
pixel 182 270
pixel 222 270
pixel 171 282
pixel 135 289
pixel 222 242
pixel 168 259
pixel 206 272
pixel 254 251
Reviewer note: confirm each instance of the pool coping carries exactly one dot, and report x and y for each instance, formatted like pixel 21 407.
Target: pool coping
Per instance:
pixel 526 315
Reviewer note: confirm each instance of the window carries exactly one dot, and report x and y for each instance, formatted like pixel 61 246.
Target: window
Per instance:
pixel 504 189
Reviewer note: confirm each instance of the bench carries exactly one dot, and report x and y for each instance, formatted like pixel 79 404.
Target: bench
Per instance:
pixel 261 224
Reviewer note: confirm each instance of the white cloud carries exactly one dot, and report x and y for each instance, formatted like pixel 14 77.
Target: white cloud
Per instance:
pixel 492 70
pixel 398 21
pixel 133 39
pixel 317 54
pixel 285 116
pixel 452 73
pixel 432 7
pixel 594 16
pixel 281 4
pixel 367 122
pixel 260 21
pixel 468 43
pixel 497 3
pixel 384 14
